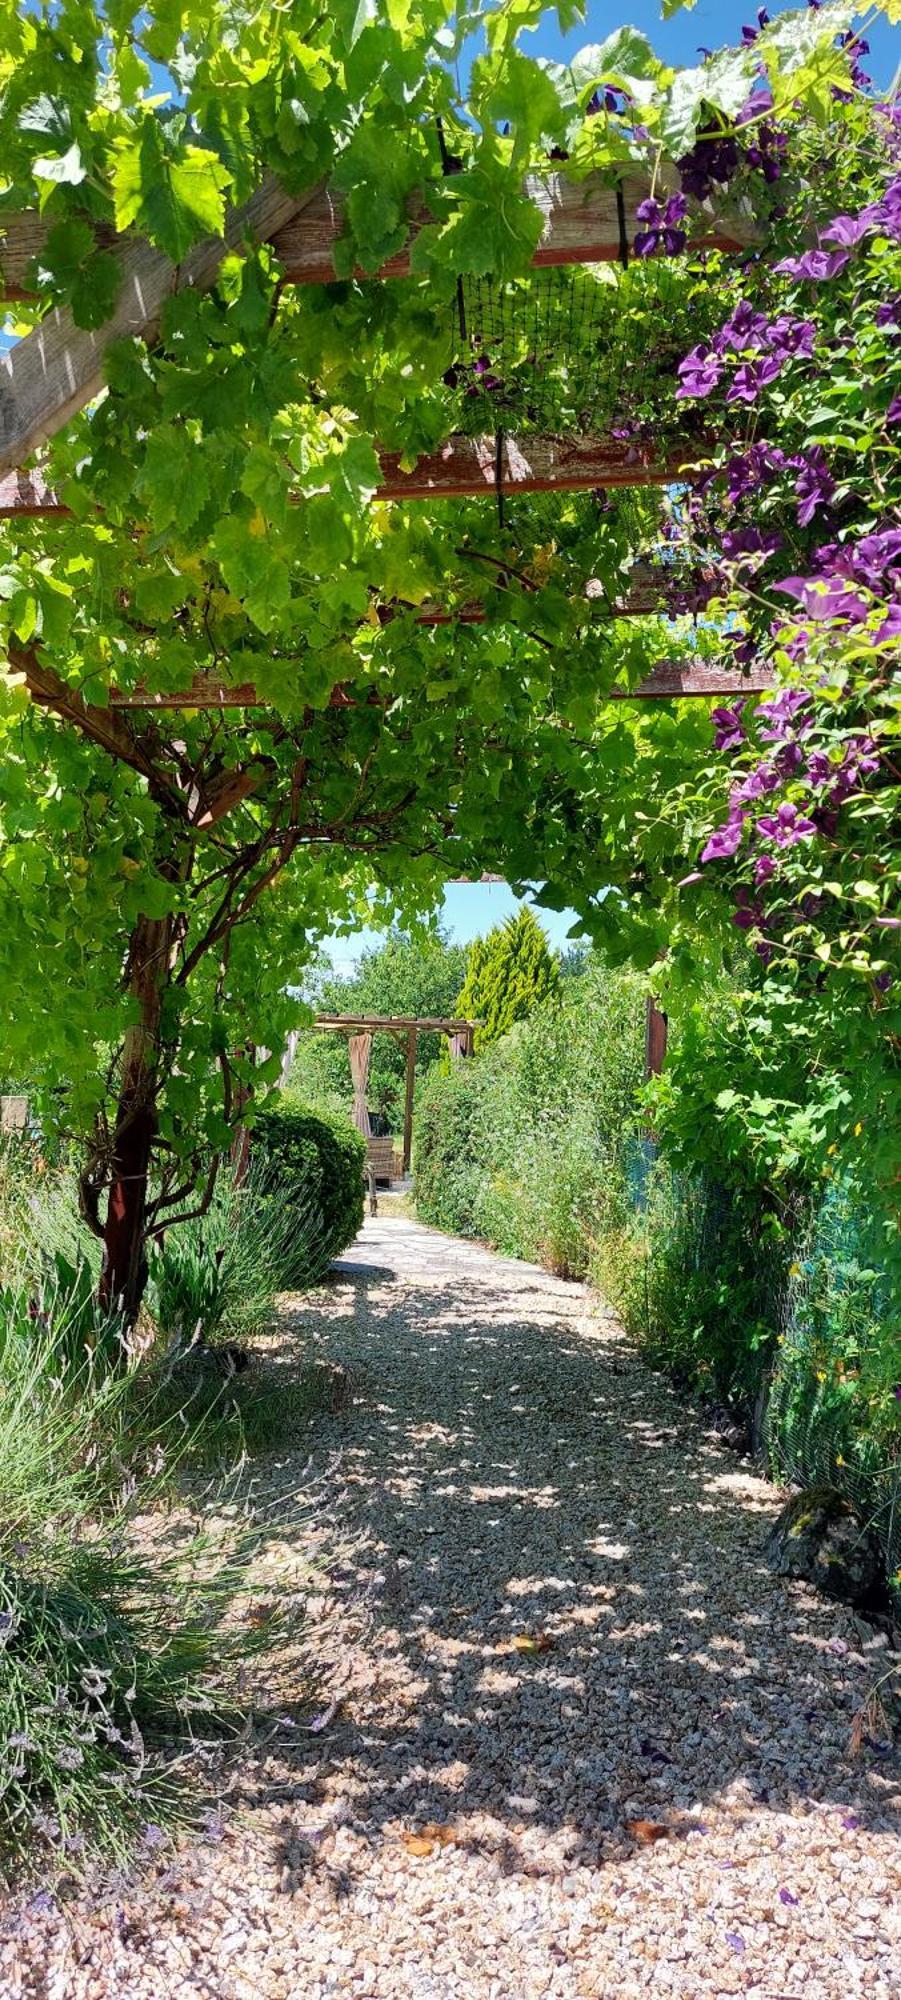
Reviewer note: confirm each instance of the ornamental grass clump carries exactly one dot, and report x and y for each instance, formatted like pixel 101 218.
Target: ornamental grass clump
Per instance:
pixel 115 1641
pixel 216 1279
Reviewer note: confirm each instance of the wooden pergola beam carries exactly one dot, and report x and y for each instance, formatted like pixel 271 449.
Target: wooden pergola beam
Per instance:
pixel 58 368
pixel 581 226
pixel 466 467
pixel 463 468
pixel 669 680
pixel 361 1024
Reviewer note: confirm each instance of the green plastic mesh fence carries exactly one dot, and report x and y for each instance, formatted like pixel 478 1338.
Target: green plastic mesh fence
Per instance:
pixel 832 1417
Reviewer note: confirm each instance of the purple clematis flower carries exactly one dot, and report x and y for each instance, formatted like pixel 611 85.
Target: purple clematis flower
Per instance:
pixel 725 842
pixel 889 313
pixel 764 869
pixel 745 473
pixel 890 627
pixel 893 413
pixel 749 541
pixel 820 770
pixel 814 485
pixel 749 35
pixel 779 715
pixel 867 561
pixel 825 597
pixel 664 226
pixel 815 265
pixel 728 729
pixel 789 337
pixel 767 152
pixel 885 214
pixel 699 372
pixel 712 161
pixel 746 329
pixel 753 376
pixel 764 778
pixel 786 826
pixel 847 231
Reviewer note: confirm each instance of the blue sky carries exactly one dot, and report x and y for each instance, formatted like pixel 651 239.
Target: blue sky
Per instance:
pixel 469 910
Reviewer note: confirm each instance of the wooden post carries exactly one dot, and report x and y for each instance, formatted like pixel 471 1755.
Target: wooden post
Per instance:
pixel 655 1040
pixel 408 1101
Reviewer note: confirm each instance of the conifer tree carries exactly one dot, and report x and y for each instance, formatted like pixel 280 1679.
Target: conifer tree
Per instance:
pixel 508 974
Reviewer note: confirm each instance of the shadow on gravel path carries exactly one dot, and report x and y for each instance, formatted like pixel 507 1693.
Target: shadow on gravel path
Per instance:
pixel 550 1620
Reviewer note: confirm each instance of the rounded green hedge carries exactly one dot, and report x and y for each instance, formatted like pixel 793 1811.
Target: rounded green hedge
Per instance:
pixel 316 1162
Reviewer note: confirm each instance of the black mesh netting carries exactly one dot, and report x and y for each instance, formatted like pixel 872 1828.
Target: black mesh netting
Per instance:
pixel 583 350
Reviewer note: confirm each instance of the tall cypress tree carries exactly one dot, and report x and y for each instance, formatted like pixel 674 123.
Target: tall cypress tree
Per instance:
pixel 508 973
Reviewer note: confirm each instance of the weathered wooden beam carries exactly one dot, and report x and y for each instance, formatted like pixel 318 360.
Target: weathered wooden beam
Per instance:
pixel 111 731
pixel 50 375
pixel 671 679
pixel 28 493
pixel 668 681
pixel 581 226
pixel 463 468
pixel 428 1023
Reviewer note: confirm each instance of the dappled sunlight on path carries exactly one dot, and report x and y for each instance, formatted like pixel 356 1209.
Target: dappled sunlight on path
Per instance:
pixel 585 1744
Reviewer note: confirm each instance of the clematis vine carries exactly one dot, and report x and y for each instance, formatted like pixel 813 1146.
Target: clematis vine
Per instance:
pixel 664 230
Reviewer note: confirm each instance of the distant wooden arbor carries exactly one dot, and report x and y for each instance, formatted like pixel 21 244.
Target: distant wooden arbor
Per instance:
pixel 405 1029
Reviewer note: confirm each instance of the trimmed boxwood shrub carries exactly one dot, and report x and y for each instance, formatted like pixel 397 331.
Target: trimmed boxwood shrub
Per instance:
pixel 315 1161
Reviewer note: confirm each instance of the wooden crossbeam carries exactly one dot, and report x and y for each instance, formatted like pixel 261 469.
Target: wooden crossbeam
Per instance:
pixel 581 226
pixel 58 367
pixel 463 468
pixel 668 681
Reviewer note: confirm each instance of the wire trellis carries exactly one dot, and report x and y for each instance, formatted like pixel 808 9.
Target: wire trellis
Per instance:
pixel 587 350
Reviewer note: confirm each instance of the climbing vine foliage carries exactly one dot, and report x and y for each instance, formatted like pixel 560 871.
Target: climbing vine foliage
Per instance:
pixel 164 875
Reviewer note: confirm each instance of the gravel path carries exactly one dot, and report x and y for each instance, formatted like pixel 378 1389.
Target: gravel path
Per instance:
pixel 553 1634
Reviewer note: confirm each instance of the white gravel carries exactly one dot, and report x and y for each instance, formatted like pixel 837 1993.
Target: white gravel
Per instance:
pixel 507 1469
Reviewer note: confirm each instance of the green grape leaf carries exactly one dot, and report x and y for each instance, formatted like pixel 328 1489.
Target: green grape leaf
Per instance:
pixel 174 197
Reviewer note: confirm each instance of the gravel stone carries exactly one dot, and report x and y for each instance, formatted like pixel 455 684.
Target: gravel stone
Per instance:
pixel 572 1739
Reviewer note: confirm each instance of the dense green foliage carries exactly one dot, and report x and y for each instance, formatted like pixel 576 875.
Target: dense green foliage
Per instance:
pixel 217 1278
pixel 411 973
pixel 119 1649
pixel 224 519
pixel 311 1173
pixel 516 1145
pixel 747 1277
pixel 508 974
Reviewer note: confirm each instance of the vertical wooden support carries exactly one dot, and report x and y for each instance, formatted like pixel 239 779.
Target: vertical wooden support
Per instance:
pixel 123 1271
pixel 654 1040
pixel 408 1101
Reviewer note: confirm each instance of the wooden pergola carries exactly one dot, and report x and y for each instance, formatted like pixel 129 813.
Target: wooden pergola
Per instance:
pixel 58 368
pixel 405 1029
